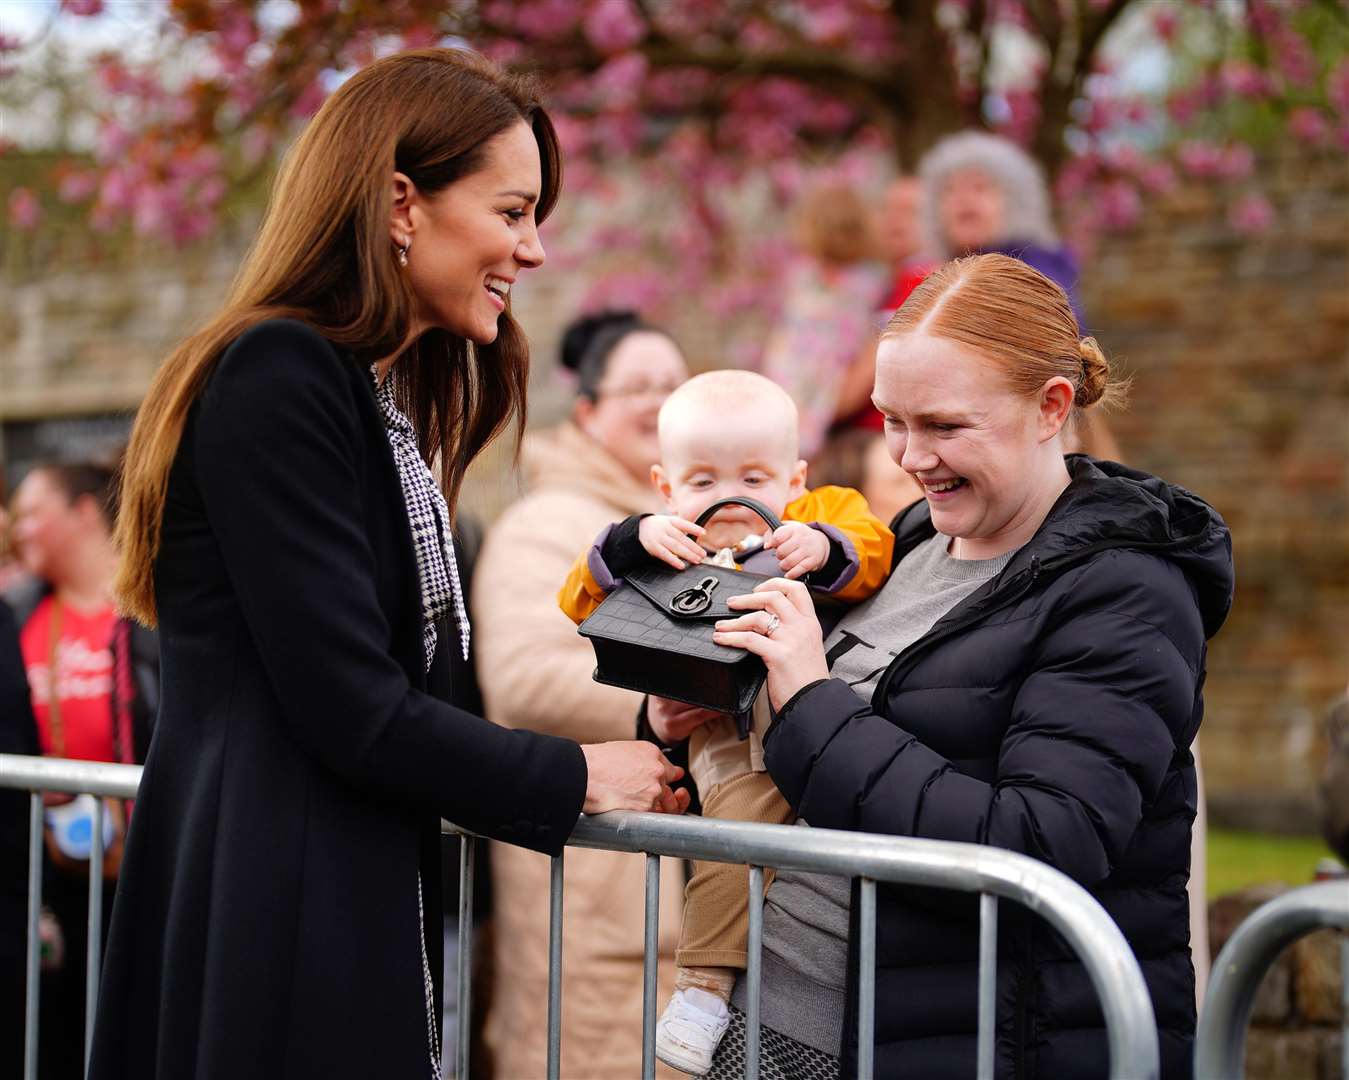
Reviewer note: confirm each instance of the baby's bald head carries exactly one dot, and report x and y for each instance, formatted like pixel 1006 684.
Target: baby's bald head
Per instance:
pixel 721 410
pixel 728 434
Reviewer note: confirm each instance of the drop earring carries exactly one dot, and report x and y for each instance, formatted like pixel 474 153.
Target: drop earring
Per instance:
pixel 403 252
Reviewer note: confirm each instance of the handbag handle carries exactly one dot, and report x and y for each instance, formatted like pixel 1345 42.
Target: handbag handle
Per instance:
pixel 759 508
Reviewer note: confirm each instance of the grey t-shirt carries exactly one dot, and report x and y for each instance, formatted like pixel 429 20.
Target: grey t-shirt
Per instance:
pixel 805 932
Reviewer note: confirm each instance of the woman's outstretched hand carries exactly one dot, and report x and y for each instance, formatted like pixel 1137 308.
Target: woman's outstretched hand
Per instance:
pixel 631 776
pixel 780 626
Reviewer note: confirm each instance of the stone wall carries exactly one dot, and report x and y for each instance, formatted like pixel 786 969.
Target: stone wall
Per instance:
pixel 1297 1024
pixel 1239 349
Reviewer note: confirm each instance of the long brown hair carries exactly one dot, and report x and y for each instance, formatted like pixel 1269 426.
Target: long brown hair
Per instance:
pixel 1016 317
pixel 323 255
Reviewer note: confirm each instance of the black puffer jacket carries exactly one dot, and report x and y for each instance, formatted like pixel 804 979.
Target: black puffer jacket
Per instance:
pixel 1051 714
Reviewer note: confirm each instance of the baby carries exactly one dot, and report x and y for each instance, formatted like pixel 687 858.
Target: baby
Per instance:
pixel 721 434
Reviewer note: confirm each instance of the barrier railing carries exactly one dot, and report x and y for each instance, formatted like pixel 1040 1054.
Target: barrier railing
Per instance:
pixel 1220 1042
pixel 990 872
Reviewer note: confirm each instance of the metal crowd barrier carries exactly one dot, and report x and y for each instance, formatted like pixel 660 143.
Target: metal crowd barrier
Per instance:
pixel 1220 1042
pixel 990 872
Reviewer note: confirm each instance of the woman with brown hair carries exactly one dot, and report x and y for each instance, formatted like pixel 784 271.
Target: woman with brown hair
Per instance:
pixel 278 914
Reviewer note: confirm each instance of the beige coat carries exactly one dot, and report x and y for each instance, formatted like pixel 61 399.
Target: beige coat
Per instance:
pixel 535 673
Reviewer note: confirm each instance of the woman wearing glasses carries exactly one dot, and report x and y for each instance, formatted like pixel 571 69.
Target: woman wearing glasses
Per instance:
pixel 535 674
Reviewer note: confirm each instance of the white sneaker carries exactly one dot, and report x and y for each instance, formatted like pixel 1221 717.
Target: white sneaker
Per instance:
pixel 689 1030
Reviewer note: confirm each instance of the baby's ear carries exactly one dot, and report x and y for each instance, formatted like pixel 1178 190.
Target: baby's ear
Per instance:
pixel 797 487
pixel 661 483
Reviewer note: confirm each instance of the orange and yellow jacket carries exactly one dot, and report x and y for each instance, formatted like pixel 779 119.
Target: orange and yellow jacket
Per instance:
pixel 861 548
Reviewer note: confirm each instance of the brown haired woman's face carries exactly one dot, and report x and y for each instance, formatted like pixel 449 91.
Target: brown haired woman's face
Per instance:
pixel 471 240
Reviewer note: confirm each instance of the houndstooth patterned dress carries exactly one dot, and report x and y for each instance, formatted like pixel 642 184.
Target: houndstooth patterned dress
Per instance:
pixel 780 1058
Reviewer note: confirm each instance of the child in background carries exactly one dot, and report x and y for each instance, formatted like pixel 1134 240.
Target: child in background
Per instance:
pixel 722 434
pixel 828 308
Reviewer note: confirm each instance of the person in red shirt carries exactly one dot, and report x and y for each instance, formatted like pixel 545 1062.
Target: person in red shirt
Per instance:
pixel 62 530
pixel 899 241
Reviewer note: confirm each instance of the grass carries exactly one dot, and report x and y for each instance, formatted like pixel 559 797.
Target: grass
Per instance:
pixel 1237 859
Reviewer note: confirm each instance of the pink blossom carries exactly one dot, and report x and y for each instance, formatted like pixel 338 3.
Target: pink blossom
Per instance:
pixel 255 144
pixel 1158 178
pixel 1243 78
pixel 546 19
pixel 1337 88
pixel 9 43
pixel 309 100
pixel 572 134
pixel 827 23
pixel 422 36
pixel 112 142
pixel 152 210
pixel 505 50
pixel 211 191
pixel 77 186
pixel 1342 137
pixel 82 7
pixel 1074 178
pixel 1264 18
pixel 1294 59
pixel 25 212
pixel 1251 214
pixel 118 189
pixel 1238 162
pixel 1183 106
pixel 1309 125
pixel 1120 205
pixel 236 30
pixel 619 82
pixel 1200 158
pixel 613 25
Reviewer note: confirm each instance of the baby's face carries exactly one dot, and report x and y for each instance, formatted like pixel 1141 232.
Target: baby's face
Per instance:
pixel 723 456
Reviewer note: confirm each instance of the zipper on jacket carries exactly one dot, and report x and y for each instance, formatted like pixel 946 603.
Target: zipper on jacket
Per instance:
pixel 905 658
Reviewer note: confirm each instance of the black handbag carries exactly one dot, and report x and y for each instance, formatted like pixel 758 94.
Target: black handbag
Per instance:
pixel 654 632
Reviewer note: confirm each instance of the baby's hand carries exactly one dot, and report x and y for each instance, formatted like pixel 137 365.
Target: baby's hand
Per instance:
pixel 667 538
pixel 800 548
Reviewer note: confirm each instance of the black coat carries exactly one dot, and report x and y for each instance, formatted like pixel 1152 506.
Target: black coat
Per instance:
pixel 266 920
pixel 1051 714
pixel 18 735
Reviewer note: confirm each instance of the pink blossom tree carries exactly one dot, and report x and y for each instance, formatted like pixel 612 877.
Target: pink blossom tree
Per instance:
pixel 720 105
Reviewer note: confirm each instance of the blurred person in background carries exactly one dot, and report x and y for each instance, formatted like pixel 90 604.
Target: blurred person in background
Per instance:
pixel 983 194
pixel 12 573
pixel 857 425
pixel 535 673
pixel 88 702
pixel 828 308
pixel 900 238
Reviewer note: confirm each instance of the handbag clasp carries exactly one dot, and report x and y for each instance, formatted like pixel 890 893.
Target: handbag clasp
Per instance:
pixel 695 600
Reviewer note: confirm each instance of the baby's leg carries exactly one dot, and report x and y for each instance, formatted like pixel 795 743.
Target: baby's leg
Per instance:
pixel 716 901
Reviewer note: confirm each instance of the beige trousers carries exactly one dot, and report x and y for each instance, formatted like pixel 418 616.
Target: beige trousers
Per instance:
pixel 729 771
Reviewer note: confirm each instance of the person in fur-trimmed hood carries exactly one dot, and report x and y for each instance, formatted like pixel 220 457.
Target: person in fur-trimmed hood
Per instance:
pixel 1030 677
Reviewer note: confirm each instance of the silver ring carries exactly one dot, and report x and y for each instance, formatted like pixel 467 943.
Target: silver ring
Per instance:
pixel 773 623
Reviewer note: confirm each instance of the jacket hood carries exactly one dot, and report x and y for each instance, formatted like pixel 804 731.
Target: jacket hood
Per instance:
pixel 1107 505
pixel 565 457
